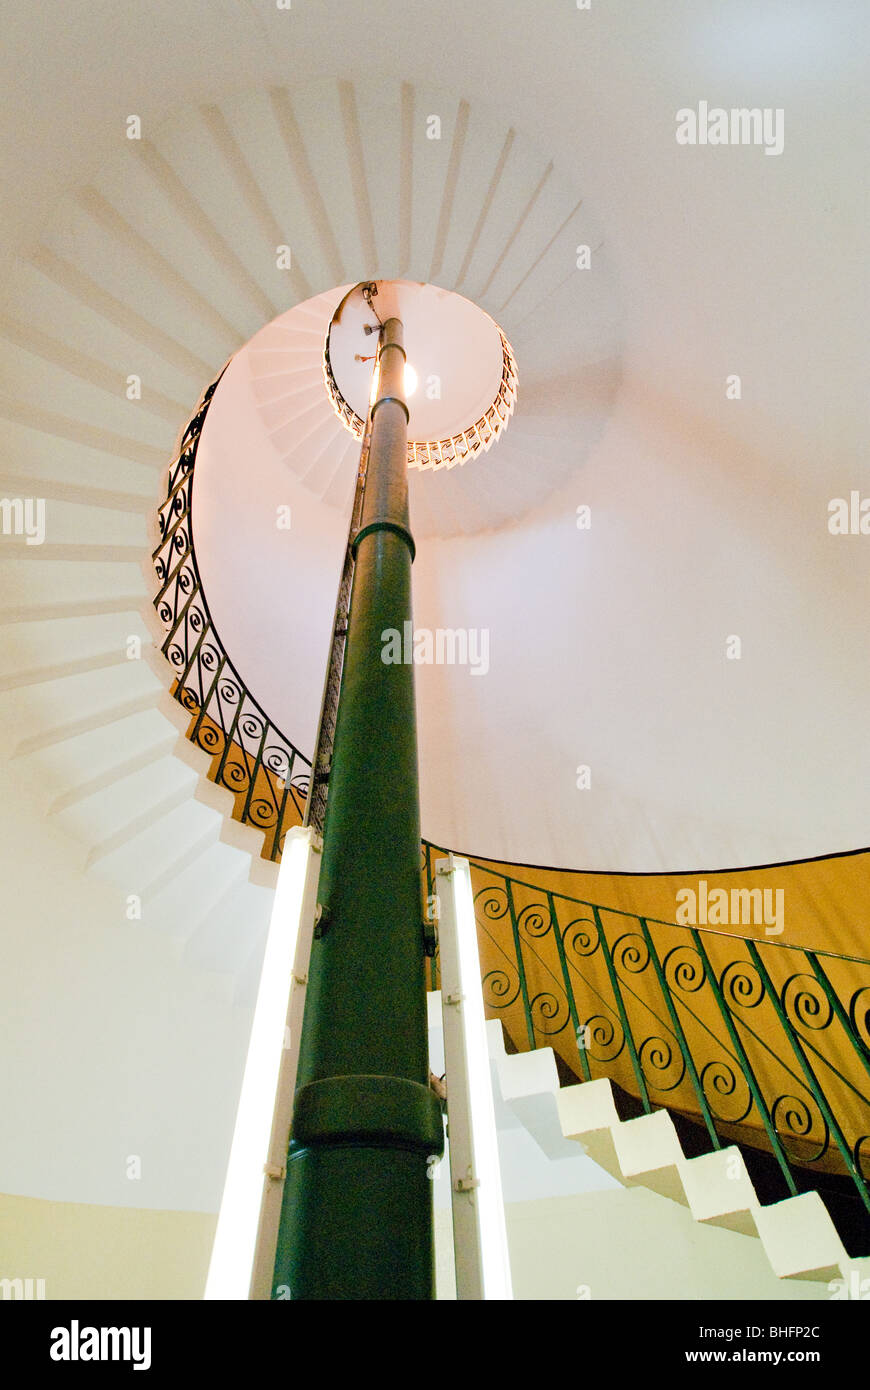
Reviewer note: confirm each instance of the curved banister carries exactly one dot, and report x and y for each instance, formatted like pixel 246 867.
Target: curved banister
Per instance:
pixel 267 774
pixel 764 1042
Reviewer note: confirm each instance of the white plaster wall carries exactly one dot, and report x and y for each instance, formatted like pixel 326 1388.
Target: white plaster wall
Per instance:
pixel 111 1047
pixel 625 1244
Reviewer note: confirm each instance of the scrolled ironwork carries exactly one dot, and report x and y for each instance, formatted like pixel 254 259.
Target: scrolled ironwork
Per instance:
pixel 631 953
pixel 578 940
pixel 266 772
pixel 263 812
pixel 277 761
pixel 859 1014
pixel 751 1073
pixel 492 902
pixel 721 1081
pixel 805 1002
pixel 235 774
pixel 741 985
pixel 664 1065
pixel 793 1118
pixel 456 448
pixel 684 969
pixel 604 1038
pixel 534 920
pixel 550 1012
pixel 210 738
pixel 188 699
pixel 499 991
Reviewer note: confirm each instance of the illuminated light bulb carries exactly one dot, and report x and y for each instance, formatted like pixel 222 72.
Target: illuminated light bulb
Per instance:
pixel 409 383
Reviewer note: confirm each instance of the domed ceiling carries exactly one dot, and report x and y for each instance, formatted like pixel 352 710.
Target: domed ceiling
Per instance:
pixel 641 511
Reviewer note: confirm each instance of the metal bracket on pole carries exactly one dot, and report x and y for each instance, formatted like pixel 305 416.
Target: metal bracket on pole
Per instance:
pixel 430 937
pixel 466 1184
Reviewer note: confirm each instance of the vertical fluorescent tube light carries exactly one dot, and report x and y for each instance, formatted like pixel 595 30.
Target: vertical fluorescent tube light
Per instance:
pixel 235 1242
pixel 480 1237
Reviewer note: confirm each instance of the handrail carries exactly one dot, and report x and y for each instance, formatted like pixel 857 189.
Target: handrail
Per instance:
pixel 760 1050
pixel 763 1046
pixel 457 448
pixel 660 921
pixel 267 774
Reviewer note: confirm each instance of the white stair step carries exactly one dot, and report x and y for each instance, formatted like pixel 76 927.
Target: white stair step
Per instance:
pixel 272 361
pixel 800 1238
pixel 224 938
pixel 588 1115
pixel 160 841
pixel 118 802
pixel 280 392
pixel 109 777
pixel 720 1191
pixel 649 1154
pixel 200 883
pixel 529 1085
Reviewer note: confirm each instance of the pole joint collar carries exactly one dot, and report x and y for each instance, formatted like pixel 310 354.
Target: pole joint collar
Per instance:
pixel 391 343
pixel 385 525
pixel 368 1111
pixel 392 400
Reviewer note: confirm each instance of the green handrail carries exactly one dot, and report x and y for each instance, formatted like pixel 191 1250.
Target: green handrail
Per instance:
pixel 724 1028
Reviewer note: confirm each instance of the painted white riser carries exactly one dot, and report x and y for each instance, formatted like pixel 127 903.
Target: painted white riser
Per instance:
pixel 798 1236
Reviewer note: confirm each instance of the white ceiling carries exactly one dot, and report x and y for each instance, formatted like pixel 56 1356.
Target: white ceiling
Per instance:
pixel 453 351
pixel 607 647
pixel 708 515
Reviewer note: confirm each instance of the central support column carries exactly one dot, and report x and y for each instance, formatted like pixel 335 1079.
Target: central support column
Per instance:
pixel 356 1221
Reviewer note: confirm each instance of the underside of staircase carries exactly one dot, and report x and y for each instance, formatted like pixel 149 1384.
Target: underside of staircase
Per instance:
pixel 154 274
pixel 799 1237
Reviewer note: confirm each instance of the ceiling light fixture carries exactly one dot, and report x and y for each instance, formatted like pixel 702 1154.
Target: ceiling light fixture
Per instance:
pixel 488 418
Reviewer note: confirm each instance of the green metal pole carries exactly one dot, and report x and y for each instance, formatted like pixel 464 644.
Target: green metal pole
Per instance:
pixel 356 1220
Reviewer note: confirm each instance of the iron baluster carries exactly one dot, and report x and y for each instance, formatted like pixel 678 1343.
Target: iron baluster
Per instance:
pixel 623 1016
pixel 843 1018
pixel 253 773
pixel 681 1037
pixel 563 962
pixel 748 1073
pixel 530 1027
pixel 812 1081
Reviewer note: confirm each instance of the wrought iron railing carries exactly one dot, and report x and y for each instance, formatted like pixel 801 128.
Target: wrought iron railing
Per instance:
pixel 315 813
pixel 762 1042
pixel 250 757
pixel 457 448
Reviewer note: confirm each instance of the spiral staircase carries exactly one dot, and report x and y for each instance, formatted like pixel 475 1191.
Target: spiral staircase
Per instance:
pixel 152 264
pixel 117 280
